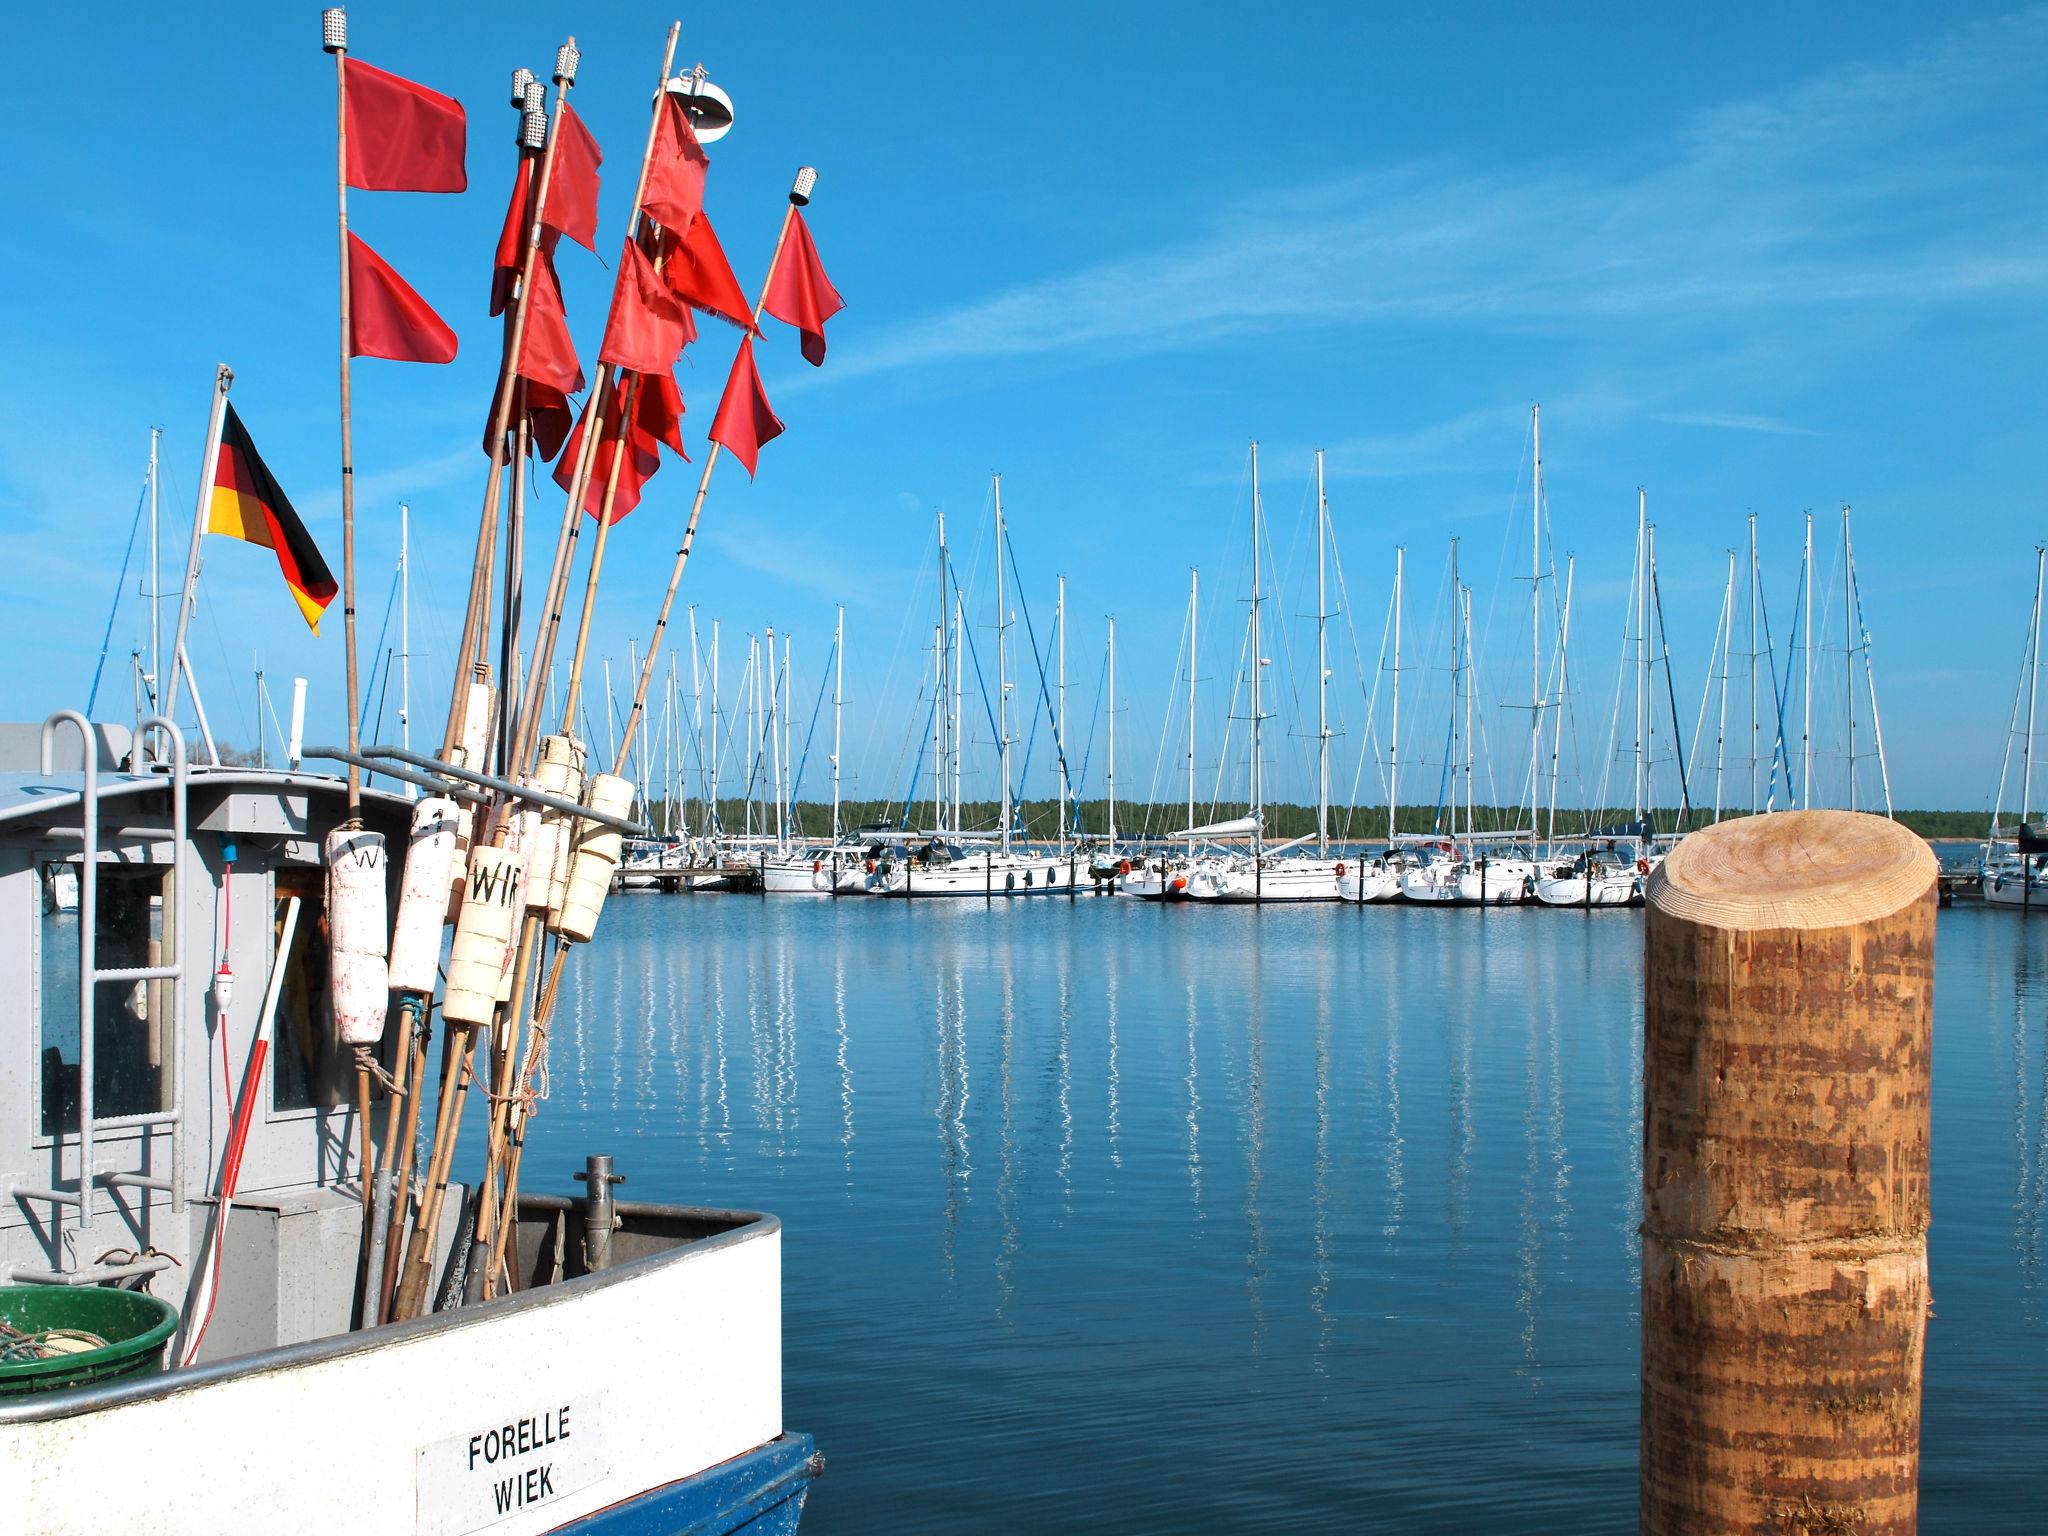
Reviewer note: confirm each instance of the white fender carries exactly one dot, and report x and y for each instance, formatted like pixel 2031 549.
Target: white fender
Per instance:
pixel 522 830
pixel 595 861
pixel 483 936
pixel 559 773
pixel 423 897
pixel 358 984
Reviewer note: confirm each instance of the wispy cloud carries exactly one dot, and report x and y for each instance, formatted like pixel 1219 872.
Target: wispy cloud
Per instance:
pixel 1890 184
pixel 1729 421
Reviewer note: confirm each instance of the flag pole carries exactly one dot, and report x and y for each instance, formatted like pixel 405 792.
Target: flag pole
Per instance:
pixel 799 195
pixel 579 482
pixel 209 466
pixel 475 619
pixel 334 40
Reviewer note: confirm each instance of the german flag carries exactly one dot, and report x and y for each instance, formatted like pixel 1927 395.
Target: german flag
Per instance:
pixel 248 504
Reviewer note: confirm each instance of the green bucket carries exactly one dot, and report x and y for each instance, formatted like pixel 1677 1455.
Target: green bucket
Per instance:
pixel 137 1328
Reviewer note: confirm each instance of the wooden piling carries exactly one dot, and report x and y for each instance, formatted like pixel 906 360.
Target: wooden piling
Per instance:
pixel 1788 997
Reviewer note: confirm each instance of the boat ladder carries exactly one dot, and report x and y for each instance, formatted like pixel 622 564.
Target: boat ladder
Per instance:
pixel 91 975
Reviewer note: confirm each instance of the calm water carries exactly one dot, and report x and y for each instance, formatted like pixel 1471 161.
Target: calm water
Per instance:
pixel 1110 1216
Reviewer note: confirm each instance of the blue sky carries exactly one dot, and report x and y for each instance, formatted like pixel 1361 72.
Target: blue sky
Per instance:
pixel 1760 261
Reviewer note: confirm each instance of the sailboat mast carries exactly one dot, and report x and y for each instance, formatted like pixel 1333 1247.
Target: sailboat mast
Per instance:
pixel 1194 612
pixel 1322 669
pixel 156 663
pixel 785 808
pixel 1258 806
pixel 1849 656
pixel 1535 610
pixel 1394 749
pixel 2033 691
pixel 713 821
pixel 1457 677
pixel 405 625
pixel 944 731
pixel 1112 731
pixel 1727 643
pixel 1642 643
pixel 1002 665
pixel 1753 575
pixel 838 702
pixel 1564 678
pixel 1467 604
pixel 1806 680
pixel 959 627
pixel 1060 734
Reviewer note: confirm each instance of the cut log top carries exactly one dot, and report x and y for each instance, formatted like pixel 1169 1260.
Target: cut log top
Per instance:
pixel 1793 869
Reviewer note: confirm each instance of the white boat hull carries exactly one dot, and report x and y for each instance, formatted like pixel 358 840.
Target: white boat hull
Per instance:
pixel 1608 889
pixel 983 875
pixel 611 1385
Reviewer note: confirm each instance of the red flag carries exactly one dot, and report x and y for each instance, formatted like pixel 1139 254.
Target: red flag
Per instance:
pixel 546 353
pixel 744 422
pixel 674 193
pixel 801 294
pixel 402 137
pixel 642 457
pixel 658 411
pixel 646 328
pixel 548 416
pixel 701 277
pixel 512 240
pixel 572 189
pixel 386 318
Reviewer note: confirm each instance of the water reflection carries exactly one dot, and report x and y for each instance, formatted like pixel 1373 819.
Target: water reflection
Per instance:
pixel 1358 1188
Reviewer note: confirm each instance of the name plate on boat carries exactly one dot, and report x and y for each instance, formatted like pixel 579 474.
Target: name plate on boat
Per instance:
pixel 531 1455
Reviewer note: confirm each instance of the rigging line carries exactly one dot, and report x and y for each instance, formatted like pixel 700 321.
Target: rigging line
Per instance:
pixel 1369 737
pixel 831 652
pixel 1671 691
pixel 1168 716
pixel 1088 748
pixel 120 585
pixel 1038 661
pixel 227 670
pixel 1621 671
pixel 1230 720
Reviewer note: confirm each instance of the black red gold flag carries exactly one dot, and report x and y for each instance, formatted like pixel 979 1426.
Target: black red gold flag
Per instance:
pixel 248 504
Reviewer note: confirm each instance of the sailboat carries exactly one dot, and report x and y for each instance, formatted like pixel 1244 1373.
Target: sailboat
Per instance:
pixel 949 863
pixel 2011 872
pixel 1271 874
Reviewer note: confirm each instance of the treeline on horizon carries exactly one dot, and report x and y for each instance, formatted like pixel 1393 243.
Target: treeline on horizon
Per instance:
pixel 1039 819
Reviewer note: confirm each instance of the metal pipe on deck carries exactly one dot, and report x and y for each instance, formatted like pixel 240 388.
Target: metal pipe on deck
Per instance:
pixel 1788 1002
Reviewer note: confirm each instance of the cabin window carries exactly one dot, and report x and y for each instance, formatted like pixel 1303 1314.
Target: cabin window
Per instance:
pixel 308 1069
pixel 131 1023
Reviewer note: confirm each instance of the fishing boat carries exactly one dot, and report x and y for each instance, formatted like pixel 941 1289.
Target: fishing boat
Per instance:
pixel 643 1339
pixel 359 1337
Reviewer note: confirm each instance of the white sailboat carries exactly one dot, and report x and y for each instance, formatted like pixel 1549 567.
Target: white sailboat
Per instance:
pixel 1280 874
pixel 944 865
pixel 2011 872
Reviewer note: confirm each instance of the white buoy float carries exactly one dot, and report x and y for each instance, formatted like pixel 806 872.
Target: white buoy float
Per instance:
pixel 595 861
pixel 468 752
pixel 423 897
pixel 483 936
pixel 559 773
pixel 358 979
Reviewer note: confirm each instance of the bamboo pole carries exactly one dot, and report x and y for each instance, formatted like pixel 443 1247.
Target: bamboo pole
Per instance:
pixel 412 1081
pixel 476 615
pixel 335 39
pixel 1788 1019
pixel 799 195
